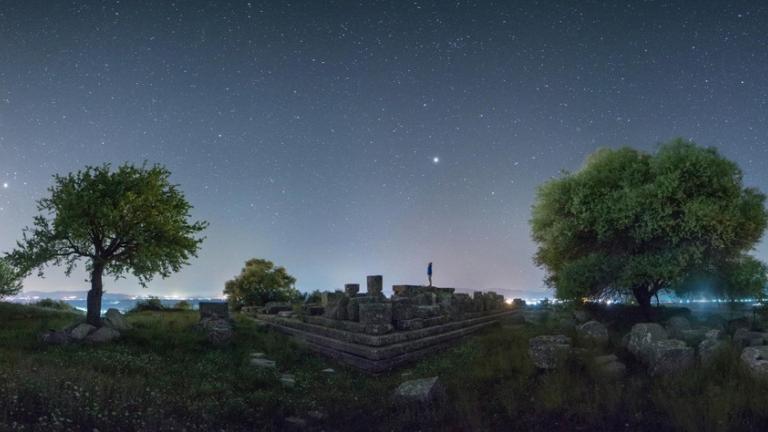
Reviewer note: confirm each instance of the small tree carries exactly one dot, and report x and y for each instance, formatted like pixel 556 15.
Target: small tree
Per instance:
pixel 635 223
pixel 260 282
pixel 131 219
pixel 10 280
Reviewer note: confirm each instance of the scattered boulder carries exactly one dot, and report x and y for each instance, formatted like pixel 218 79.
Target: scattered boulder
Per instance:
pixel 425 392
pixel 294 423
pixel 676 325
pixel 714 334
pixel 744 338
pixel 642 336
pixel 263 363
pixel 53 337
pixel 693 337
pixel 288 380
pixel 609 366
pixel 581 316
pixel 115 320
pixel 670 356
pixel 737 323
pixel 547 351
pixel 103 335
pixel 328 371
pixel 594 331
pixel 218 330
pixel 566 323
pixel 756 360
pixel 285 314
pixel 80 331
pixel 708 349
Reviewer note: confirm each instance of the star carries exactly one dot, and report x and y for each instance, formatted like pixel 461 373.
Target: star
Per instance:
pixel 5 185
pixel 435 160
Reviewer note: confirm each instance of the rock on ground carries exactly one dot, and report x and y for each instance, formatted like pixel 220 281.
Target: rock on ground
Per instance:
pixel 263 363
pixel 81 331
pixel 53 337
pixel 642 336
pixel 424 391
pixel 581 316
pixel 218 330
pixel 676 325
pixel 744 338
pixel 115 320
pixel 708 349
pixel 103 335
pixel 594 331
pixel 670 356
pixel 547 351
pixel 609 366
pixel 756 360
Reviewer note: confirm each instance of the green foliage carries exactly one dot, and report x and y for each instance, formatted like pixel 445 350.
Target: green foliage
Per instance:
pixel 128 220
pixel 260 282
pixel 10 280
pixel 633 223
pixel 54 304
pixel 315 296
pixel 131 219
pixel 149 304
pixel 183 306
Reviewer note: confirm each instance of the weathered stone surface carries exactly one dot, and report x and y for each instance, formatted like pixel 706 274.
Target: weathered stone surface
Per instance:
pixel 375 285
pixel 708 349
pixel 714 334
pixel 566 323
pixel 612 370
pixel 353 309
pixel 670 356
pixel 692 337
pixel 313 309
pixel 263 363
pixel 676 325
pixel 594 331
pixel 744 338
pixel 581 316
pixel 641 338
pixel 275 307
pixel 603 359
pixel 547 351
pixel 518 302
pixel 403 309
pixel 351 290
pixel 376 317
pixel 81 331
pixel 423 392
pixel 218 330
pixel 337 309
pixel 285 314
pixel 756 360
pixel 288 380
pixel 114 319
pixel 411 324
pixel 53 337
pixel 738 323
pixel 103 335
pixel 426 311
pixel 214 309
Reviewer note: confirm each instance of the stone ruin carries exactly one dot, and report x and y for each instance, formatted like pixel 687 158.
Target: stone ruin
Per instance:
pixel 376 333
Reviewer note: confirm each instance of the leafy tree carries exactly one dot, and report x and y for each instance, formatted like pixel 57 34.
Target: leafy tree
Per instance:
pixel 131 219
pixel 633 223
pixel 10 280
pixel 260 282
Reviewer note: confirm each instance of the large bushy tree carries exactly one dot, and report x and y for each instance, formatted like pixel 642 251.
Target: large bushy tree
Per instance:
pixel 631 222
pixel 10 280
pixel 127 220
pixel 259 282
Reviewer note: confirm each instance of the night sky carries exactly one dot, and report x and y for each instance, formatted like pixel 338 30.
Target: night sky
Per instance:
pixel 342 139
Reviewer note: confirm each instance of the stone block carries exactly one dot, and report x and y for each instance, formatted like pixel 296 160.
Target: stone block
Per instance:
pixel 376 317
pixel 375 285
pixel 410 324
pixel 81 331
pixel 422 392
pixel 351 290
pixel 353 309
pixel 272 308
pixel 337 309
pixel 426 311
pixel 403 309
pixel 115 320
pixel 547 352
pixel 214 309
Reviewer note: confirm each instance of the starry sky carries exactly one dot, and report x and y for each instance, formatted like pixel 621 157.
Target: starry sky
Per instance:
pixel 341 139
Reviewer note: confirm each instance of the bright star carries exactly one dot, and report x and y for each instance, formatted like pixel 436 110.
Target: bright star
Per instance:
pixel 435 160
pixel 5 185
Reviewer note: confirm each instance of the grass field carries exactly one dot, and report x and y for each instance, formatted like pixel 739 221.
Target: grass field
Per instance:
pixel 163 375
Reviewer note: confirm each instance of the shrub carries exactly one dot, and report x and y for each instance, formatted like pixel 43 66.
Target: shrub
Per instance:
pixel 259 282
pixel 150 304
pixel 54 304
pixel 183 305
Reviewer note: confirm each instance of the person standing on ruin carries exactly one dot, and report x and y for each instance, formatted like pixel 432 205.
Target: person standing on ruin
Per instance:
pixel 429 273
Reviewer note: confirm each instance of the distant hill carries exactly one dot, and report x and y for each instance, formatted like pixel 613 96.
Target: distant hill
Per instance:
pixel 66 295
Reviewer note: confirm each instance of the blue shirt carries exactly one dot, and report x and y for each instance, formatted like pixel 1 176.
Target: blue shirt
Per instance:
pixel 429 269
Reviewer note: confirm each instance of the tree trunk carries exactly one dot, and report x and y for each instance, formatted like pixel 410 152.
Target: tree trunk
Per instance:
pixel 643 296
pixel 93 316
